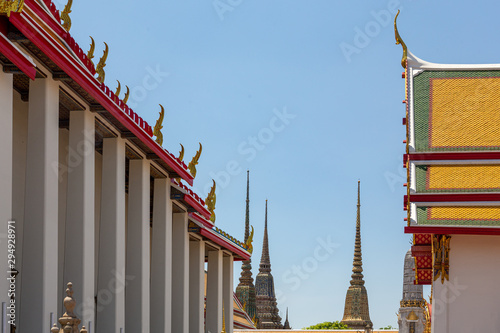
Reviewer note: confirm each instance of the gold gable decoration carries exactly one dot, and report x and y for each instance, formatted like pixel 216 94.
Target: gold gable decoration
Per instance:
pixel 65 15
pixel 399 40
pixel 441 257
pixel 7 7
pixel 194 162
pixel 159 126
pixel 210 202
pixel 102 63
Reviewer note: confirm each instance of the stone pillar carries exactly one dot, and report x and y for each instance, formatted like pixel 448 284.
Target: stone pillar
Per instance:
pixel 161 258
pixel 40 258
pixel 196 286
pixel 180 273
pixel 63 191
pixel 138 240
pixel 80 239
pixel 111 275
pixel 6 172
pixel 227 293
pixel 214 291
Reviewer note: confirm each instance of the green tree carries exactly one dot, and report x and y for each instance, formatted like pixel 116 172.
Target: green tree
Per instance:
pixel 327 325
pixel 387 328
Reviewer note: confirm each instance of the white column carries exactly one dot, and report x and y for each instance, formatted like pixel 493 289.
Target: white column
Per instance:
pixel 63 190
pixel 161 258
pixel 214 291
pixel 138 240
pixel 180 273
pixel 6 132
pixel 40 258
pixel 196 286
pixel 111 275
pixel 227 294
pixel 20 135
pixel 80 239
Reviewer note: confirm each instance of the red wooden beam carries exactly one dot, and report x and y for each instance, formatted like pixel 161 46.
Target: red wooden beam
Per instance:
pixel 455 197
pixel 17 57
pixel 442 230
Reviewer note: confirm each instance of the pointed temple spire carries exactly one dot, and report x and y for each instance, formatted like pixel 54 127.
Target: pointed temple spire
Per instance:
pixel 267 309
pixel 245 292
pixel 356 311
pixel 265 261
pixel 286 325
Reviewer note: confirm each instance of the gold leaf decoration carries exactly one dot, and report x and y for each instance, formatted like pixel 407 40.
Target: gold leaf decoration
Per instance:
pixel 399 40
pixel 194 162
pixel 210 202
pixel 90 54
pixel 6 7
pixel 118 89
pixel 102 63
pixel 127 94
pixel 159 126
pixel 248 244
pixel 181 153
pixel 65 15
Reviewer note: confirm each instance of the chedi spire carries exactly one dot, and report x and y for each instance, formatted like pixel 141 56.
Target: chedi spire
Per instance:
pixel 245 292
pixel 267 309
pixel 356 311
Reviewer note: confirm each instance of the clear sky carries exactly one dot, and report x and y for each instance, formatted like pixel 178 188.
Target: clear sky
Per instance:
pixel 305 94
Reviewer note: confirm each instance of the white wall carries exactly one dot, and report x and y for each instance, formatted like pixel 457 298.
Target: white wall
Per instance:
pixel 470 300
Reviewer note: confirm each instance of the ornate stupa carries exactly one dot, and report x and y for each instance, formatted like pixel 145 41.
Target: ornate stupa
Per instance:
pixel 411 316
pixel 245 292
pixel 267 309
pixel 356 311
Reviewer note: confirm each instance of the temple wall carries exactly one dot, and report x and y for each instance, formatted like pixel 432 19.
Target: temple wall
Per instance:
pixel 469 301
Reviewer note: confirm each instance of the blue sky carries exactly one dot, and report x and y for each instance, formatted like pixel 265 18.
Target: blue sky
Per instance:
pixel 305 94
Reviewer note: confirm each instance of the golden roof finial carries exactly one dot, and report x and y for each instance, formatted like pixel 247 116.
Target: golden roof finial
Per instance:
pixel 210 202
pixel 90 54
pixel 118 89
pixel 194 162
pixel 249 242
pixel 65 15
pixel 102 63
pixel 125 99
pixel 181 153
pixel 159 126
pixel 399 40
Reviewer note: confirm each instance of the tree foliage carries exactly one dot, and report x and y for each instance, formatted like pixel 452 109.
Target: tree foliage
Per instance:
pixel 327 325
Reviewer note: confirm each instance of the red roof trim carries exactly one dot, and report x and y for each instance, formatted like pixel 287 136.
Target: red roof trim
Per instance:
pixel 101 93
pixel 198 218
pixel 17 57
pixel 196 205
pixel 441 230
pixel 487 155
pixel 225 244
pixel 455 197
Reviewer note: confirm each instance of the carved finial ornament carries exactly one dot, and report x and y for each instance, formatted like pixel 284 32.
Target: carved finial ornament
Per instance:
pixel 249 242
pixel 159 126
pixel 181 153
pixel 125 99
pixel 118 89
pixel 90 54
pixel 102 63
pixel 6 7
pixel 194 162
pixel 65 15
pixel 210 202
pixel 399 40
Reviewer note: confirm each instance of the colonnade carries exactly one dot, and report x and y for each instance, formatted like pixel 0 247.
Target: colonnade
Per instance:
pixel 75 221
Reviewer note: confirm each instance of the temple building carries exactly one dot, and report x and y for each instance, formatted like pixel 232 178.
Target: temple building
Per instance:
pixel 452 199
pixel 411 315
pixel 356 311
pixel 267 309
pixel 245 292
pixel 97 212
